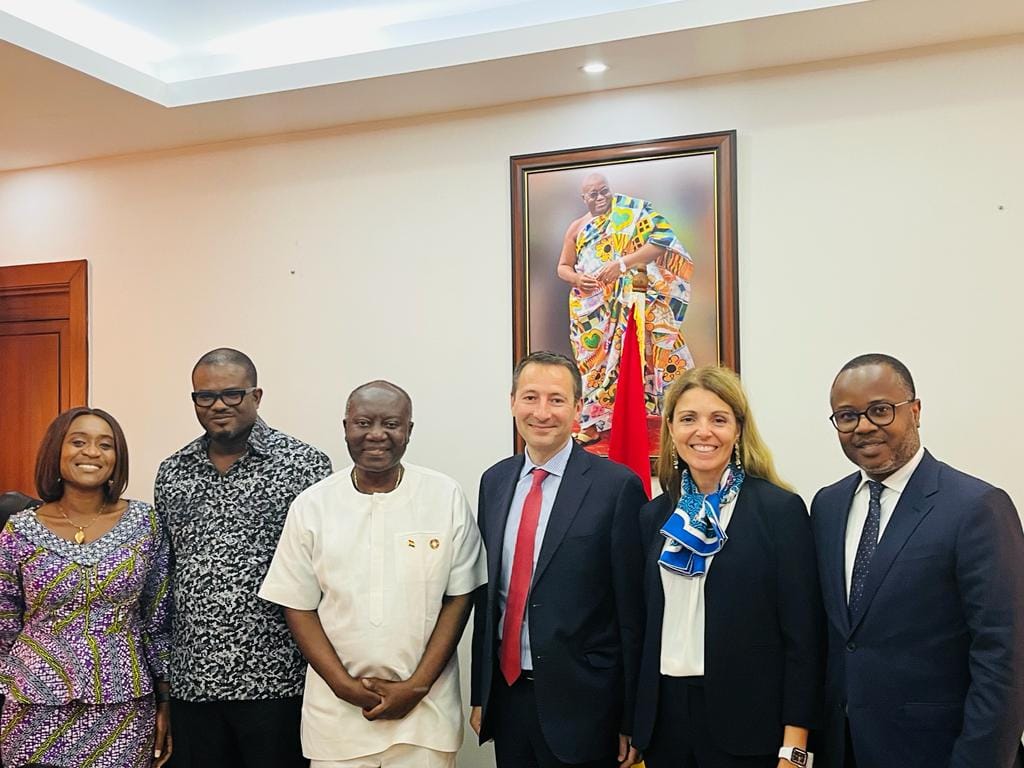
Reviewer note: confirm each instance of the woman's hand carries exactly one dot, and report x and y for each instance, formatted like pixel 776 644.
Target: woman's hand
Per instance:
pixel 163 744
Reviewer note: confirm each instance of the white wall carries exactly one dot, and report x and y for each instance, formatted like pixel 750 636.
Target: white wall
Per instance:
pixel 880 209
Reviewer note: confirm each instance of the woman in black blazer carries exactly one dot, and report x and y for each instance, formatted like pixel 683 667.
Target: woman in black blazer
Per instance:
pixel 732 667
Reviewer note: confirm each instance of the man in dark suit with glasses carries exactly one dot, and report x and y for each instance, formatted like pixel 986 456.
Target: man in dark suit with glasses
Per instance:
pixel 922 573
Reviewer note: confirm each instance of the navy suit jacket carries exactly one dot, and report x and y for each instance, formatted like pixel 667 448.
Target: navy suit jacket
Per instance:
pixel 764 628
pixel 585 605
pixel 930 670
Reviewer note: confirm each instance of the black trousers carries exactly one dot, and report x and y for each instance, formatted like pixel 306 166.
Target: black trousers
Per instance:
pixel 518 740
pixel 262 733
pixel 681 738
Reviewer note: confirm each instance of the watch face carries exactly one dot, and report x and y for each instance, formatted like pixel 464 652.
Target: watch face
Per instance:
pixel 799 757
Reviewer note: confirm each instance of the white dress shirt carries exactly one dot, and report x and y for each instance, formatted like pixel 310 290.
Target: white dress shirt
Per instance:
pixel 858 515
pixel 555 467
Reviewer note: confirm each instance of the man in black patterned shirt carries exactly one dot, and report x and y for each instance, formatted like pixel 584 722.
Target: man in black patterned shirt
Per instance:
pixel 236 674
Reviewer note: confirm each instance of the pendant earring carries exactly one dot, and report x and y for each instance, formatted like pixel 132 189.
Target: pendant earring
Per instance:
pixel 675 462
pixel 736 455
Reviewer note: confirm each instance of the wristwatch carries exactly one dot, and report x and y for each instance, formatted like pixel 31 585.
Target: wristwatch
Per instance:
pixel 797 756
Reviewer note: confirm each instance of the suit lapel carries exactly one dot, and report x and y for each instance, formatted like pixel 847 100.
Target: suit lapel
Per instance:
pixel 836 548
pixel 913 506
pixel 571 491
pixel 496 528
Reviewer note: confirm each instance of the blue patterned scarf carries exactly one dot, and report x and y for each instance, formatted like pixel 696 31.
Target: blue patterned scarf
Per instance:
pixel 694 531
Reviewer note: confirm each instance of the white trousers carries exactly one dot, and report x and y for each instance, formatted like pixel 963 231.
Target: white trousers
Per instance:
pixel 395 756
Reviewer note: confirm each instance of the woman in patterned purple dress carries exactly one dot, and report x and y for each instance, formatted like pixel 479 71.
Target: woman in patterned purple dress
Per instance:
pixel 84 610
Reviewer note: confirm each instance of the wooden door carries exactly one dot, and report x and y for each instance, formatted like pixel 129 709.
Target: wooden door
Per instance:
pixel 43 359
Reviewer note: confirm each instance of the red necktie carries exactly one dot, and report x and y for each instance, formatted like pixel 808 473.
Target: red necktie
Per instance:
pixel 519 582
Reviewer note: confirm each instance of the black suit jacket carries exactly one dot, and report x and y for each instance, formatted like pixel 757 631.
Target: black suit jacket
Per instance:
pixel 763 623
pixel 585 606
pixel 930 672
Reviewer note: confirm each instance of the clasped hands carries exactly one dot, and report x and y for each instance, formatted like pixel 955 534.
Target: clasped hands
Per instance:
pixel 384 699
pixel 591 283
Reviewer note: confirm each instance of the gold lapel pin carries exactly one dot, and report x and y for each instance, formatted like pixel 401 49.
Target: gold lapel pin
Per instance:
pixel 411 543
pixel 434 543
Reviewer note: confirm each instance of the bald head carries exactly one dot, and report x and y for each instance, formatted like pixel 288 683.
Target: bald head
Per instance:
pixel 374 389
pixel 594 180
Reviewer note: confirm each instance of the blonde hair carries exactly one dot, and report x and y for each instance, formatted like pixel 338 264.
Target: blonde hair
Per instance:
pixel 725 384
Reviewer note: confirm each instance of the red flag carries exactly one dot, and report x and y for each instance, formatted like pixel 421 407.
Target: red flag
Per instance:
pixel 627 443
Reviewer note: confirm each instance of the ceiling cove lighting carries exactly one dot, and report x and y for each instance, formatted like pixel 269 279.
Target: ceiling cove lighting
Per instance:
pixel 595 68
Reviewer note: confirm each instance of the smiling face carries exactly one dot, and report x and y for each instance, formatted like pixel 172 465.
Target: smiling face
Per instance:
pixel 879 451
pixel 378 425
pixel 226 423
pixel 87 455
pixel 545 409
pixel 704 431
pixel 596 194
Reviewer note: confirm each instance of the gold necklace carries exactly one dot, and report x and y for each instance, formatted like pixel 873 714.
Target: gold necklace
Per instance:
pixel 80 534
pixel 398 481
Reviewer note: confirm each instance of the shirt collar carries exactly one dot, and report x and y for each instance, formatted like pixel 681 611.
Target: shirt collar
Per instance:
pixel 259 441
pixel 898 480
pixel 554 466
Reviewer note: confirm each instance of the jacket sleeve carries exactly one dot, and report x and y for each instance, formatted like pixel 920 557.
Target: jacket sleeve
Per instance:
pixel 479 612
pixel 801 616
pixel 990 576
pixel 626 558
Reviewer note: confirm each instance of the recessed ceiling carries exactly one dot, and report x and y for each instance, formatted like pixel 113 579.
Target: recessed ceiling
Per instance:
pixel 63 101
pixel 192 51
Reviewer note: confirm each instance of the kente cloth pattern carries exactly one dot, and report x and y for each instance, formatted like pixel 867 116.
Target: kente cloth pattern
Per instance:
pixel 597 321
pixel 79 735
pixel 86 623
pixel 694 531
pixel 228 644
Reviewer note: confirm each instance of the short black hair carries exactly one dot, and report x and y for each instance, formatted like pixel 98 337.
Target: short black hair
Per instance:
pixel 550 358
pixel 878 358
pixel 380 384
pixel 228 356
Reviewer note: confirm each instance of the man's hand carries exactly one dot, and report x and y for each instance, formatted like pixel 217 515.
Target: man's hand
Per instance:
pixel 609 273
pixel 397 698
pixel 357 695
pixel 586 283
pixel 475 719
pixel 628 754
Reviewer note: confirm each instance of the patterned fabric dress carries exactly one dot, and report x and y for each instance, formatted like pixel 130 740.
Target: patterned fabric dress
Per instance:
pixel 84 630
pixel 598 320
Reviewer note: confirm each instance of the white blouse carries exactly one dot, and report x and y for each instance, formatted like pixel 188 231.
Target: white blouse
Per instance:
pixel 682 627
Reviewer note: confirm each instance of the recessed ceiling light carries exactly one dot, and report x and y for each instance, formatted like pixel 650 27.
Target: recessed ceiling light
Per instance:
pixel 595 67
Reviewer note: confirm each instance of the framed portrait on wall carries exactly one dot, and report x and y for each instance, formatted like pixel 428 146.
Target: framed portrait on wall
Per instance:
pixel 594 230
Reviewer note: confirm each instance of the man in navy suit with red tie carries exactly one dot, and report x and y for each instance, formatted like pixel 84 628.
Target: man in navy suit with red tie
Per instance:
pixel 922 573
pixel 558 629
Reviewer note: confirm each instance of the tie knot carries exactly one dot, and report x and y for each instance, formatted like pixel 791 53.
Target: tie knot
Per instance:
pixel 876 489
pixel 539 475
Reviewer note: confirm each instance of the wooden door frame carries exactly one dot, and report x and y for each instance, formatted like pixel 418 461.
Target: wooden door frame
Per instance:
pixel 24 281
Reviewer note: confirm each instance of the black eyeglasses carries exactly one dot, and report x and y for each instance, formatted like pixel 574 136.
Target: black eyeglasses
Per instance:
pixel 230 397
pixel 603 192
pixel 879 414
